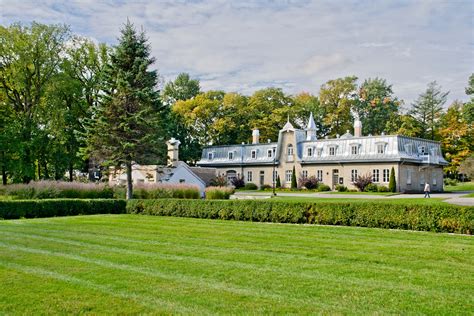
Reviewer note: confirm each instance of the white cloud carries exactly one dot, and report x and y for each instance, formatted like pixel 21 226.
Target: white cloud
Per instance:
pixel 296 45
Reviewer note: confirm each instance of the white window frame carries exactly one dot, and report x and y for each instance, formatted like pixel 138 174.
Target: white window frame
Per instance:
pixel 381 149
pixel 270 153
pixel 210 155
pixel 354 149
pixel 230 155
pixel 319 175
pixel 309 151
pixel 409 177
pixel 376 175
pixel 304 173
pixel 253 154
pixel 332 151
pixel 289 150
pixel 275 175
pixel 288 175
pixel 354 175
pixel 249 176
pixel 386 175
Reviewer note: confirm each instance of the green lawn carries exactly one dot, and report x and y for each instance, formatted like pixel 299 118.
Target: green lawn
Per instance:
pixel 144 264
pixel 461 186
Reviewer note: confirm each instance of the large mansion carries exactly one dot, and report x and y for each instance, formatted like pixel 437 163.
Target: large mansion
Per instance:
pixel 333 161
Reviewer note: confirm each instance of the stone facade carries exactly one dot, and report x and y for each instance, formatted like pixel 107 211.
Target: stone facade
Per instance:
pixel 332 160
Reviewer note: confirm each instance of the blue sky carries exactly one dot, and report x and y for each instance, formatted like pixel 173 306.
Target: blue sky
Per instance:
pixel 295 45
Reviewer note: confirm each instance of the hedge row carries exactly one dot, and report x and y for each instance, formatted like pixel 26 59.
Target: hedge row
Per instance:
pixel 60 207
pixel 436 218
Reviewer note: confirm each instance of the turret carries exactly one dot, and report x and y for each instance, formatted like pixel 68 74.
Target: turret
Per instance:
pixel 311 128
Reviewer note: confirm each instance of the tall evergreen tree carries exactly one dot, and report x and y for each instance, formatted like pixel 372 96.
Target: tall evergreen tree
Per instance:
pixel 427 109
pixel 127 125
pixel 294 184
pixel 392 184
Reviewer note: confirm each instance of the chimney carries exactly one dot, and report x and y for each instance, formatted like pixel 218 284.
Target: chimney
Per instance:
pixel 255 136
pixel 357 128
pixel 173 149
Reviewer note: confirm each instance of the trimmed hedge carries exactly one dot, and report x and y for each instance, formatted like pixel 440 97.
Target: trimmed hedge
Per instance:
pixel 411 216
pixel 15 209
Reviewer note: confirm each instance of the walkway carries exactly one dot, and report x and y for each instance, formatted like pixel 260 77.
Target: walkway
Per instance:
pixel 452 198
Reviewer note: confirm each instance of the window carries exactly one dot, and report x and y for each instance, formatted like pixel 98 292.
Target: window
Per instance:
pixel 320 152
pixel 275 175
pixel 310 151
pixel 290 149
pixel 386 175
pixel 423 150
pixel 182 180
pixel 269 153
pixel 380 148
pixel 408 176
pixel 254 154
pixel 210 156
pixel 332 151
pixel 288 174
pixel 422 179
pixel 231 155
pixel 353 175
pixel 355 149
pixel 319 175
pixel 262 177
pixel 249 176
pixel 231 175
pixel 433 176
pixel 305 174
pixel 375 175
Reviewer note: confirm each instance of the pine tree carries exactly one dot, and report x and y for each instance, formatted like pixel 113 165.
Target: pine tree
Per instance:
pixel 392 184
pixel 126 127
pixel 294 184
pixel 428 108
pixel 278 182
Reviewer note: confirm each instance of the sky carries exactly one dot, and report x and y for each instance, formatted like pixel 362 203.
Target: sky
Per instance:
pixel 244 46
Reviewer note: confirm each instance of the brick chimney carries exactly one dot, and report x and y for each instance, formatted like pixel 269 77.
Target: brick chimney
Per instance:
pixel 255 136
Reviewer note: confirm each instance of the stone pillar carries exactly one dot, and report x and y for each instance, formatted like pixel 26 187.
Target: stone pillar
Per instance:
pixel 255 136
pixel 173 152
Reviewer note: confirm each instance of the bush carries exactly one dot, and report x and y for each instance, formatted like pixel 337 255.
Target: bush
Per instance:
pixel 324 187
pixel 362 181
pixel 266 187
pixel 59 189
pixel 371 187
pixel 341 188
pixel 218 193
pixel 382 214
pixel 238 182
pixel 59 207
pixel 448 181
pixel 383 188
pixel 250 186
pixel 278 182
pixel 219 181
pixel 309 183
pixel 165 191
pixel 392 184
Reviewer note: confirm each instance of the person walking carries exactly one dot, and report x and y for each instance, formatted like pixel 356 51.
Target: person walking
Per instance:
pixel 427 189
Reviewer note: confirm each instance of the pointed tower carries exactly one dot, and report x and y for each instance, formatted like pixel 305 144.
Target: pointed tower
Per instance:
pixel 311 128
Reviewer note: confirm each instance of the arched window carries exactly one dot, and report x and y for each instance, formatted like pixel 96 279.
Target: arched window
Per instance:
pixel 290 150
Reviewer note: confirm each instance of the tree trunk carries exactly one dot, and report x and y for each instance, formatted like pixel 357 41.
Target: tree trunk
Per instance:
pixel 129 181
pixel 71 177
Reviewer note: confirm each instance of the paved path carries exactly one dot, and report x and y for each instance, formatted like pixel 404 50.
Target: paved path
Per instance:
pixel 452 198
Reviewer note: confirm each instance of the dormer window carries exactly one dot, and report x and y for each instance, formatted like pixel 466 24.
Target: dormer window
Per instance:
pixel 210 156
pixel 380 148
pixel 423 150
pixel 309 151
pixel 320 152
pixel 254 154
pixel 290 150
pixel 231 155
pixel 270 153
pixel 355 149
pixel 332 151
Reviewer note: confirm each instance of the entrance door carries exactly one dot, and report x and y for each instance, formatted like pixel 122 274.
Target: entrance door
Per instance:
pixel 335 178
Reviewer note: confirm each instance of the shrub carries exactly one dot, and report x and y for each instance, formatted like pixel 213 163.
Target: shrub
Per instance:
pixel 250 186
pixel 341 188
pixel 324 187
pixel 392 184
pixel 362 181
pixel 165 190
pixel 383 188
pixel 448 181
pixel 266 187
pixel 59 189
pixel 218 193
pixel 294 185
pixel 219 181
pixel 382 214
pixel 278 182
pixel 371 187
pixel 309 183
pixel 59 207
pixel 238 182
